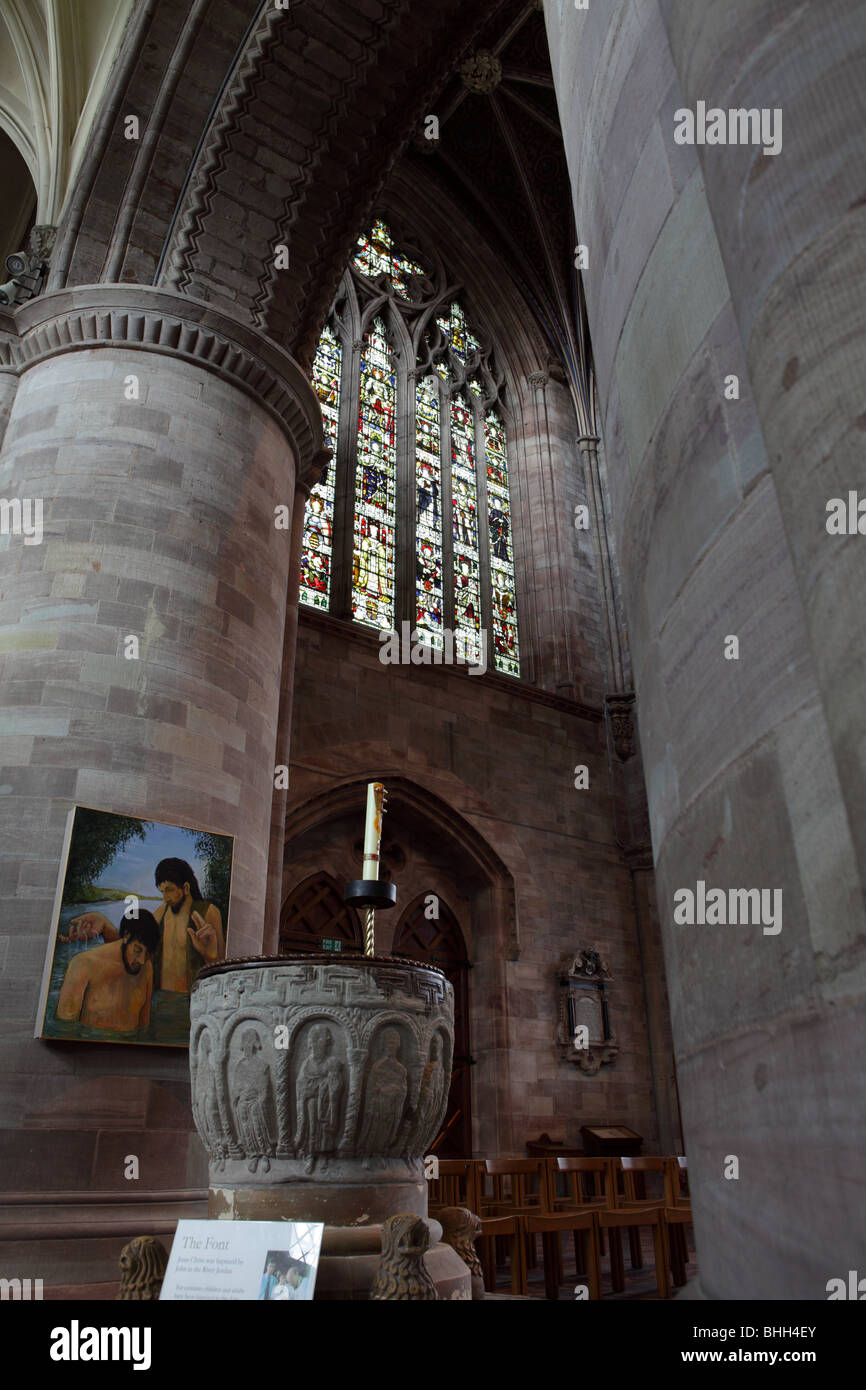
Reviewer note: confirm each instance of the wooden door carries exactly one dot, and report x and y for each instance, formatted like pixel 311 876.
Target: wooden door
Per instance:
pixel 314 913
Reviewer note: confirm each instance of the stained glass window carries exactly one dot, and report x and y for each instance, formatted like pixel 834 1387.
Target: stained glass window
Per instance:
pixel 319 511
pixel 451 400
pixel 464 508
pixel 453 324
pixel 376 255
pixel 505 648
pixel 428 514
pixel 375 484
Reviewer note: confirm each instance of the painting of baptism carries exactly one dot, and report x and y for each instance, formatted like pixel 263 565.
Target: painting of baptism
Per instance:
pixel 141 908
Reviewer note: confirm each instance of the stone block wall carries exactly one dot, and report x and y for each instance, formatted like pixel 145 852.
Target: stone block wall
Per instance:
pixel 743 787
pixel 501 756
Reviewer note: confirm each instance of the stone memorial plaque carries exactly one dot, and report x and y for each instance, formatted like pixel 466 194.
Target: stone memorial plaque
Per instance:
pixel 264 1261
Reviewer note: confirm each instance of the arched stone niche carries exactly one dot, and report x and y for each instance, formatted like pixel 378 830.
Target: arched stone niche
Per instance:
pixel 438 851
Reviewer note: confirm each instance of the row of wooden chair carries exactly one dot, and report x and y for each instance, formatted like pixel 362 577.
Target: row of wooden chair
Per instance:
pixel 519 1199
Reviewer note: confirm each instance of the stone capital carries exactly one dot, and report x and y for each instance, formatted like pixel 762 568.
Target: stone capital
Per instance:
pixel 146 319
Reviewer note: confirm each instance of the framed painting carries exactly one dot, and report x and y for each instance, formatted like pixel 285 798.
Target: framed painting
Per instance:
pixel 141 907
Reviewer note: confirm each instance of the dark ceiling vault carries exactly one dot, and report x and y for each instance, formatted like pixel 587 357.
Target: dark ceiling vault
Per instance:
pixel 500 157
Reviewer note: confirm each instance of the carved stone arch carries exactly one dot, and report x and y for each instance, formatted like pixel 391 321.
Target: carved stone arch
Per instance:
pixel 379 308
pixel 225 1141
pixel 312 195
pixel 319 1013
pixel 470 874
pixel 313 910
pixel 478 861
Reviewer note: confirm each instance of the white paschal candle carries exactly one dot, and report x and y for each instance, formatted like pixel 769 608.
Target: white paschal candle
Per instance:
pixel 373 829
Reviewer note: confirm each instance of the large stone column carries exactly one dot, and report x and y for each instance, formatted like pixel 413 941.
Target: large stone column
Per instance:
pixel 791 229
pixel 742 783
pixel 161 436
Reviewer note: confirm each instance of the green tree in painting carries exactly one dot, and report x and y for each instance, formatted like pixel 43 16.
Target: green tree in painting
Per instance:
pixel 96 838
pixel 216 853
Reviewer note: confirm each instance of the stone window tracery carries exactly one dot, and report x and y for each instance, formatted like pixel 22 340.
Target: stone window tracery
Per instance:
pixel 412 521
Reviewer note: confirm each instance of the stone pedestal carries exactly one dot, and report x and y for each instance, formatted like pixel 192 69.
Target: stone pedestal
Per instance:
pixel 318 1083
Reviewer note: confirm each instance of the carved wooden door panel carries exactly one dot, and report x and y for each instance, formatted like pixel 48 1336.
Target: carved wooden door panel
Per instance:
pixel 439 941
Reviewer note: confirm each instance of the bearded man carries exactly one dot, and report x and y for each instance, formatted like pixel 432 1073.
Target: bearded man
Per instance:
pixel 111 986
pixel 192 929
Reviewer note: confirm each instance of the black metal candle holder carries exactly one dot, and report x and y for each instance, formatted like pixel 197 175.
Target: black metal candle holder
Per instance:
pixel 370 892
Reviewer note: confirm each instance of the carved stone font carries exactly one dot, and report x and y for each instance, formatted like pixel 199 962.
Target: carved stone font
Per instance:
pixel 318 1070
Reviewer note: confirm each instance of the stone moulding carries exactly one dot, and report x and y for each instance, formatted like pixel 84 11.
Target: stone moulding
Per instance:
pixel 143 319
pixel 308 1068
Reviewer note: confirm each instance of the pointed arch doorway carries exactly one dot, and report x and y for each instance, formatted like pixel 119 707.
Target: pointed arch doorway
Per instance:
pixel 440 941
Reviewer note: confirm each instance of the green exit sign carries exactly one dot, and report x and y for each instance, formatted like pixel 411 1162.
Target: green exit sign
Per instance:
pixel 329 945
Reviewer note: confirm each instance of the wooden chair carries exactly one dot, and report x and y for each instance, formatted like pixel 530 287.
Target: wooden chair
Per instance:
pixel 632 1208
pixel 632 1173
pixel 678 1215
pixel 456 1186
pixel 525 1194
pixel 584 1231
pixel 502 1228
pixel 587 1186
pixel 614 1221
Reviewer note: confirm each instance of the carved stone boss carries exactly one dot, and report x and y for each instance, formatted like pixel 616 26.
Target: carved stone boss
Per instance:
pixel 309 1069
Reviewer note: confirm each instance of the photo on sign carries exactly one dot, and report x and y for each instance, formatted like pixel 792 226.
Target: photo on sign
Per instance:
pixel 141 908
pixel 286 1276
pixel 243 1261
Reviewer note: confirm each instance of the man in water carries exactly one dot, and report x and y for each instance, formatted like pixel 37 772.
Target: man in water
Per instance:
pixel 191 929
pixel 111 986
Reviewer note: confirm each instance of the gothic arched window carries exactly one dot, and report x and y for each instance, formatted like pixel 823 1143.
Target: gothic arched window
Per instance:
pixel 412 521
